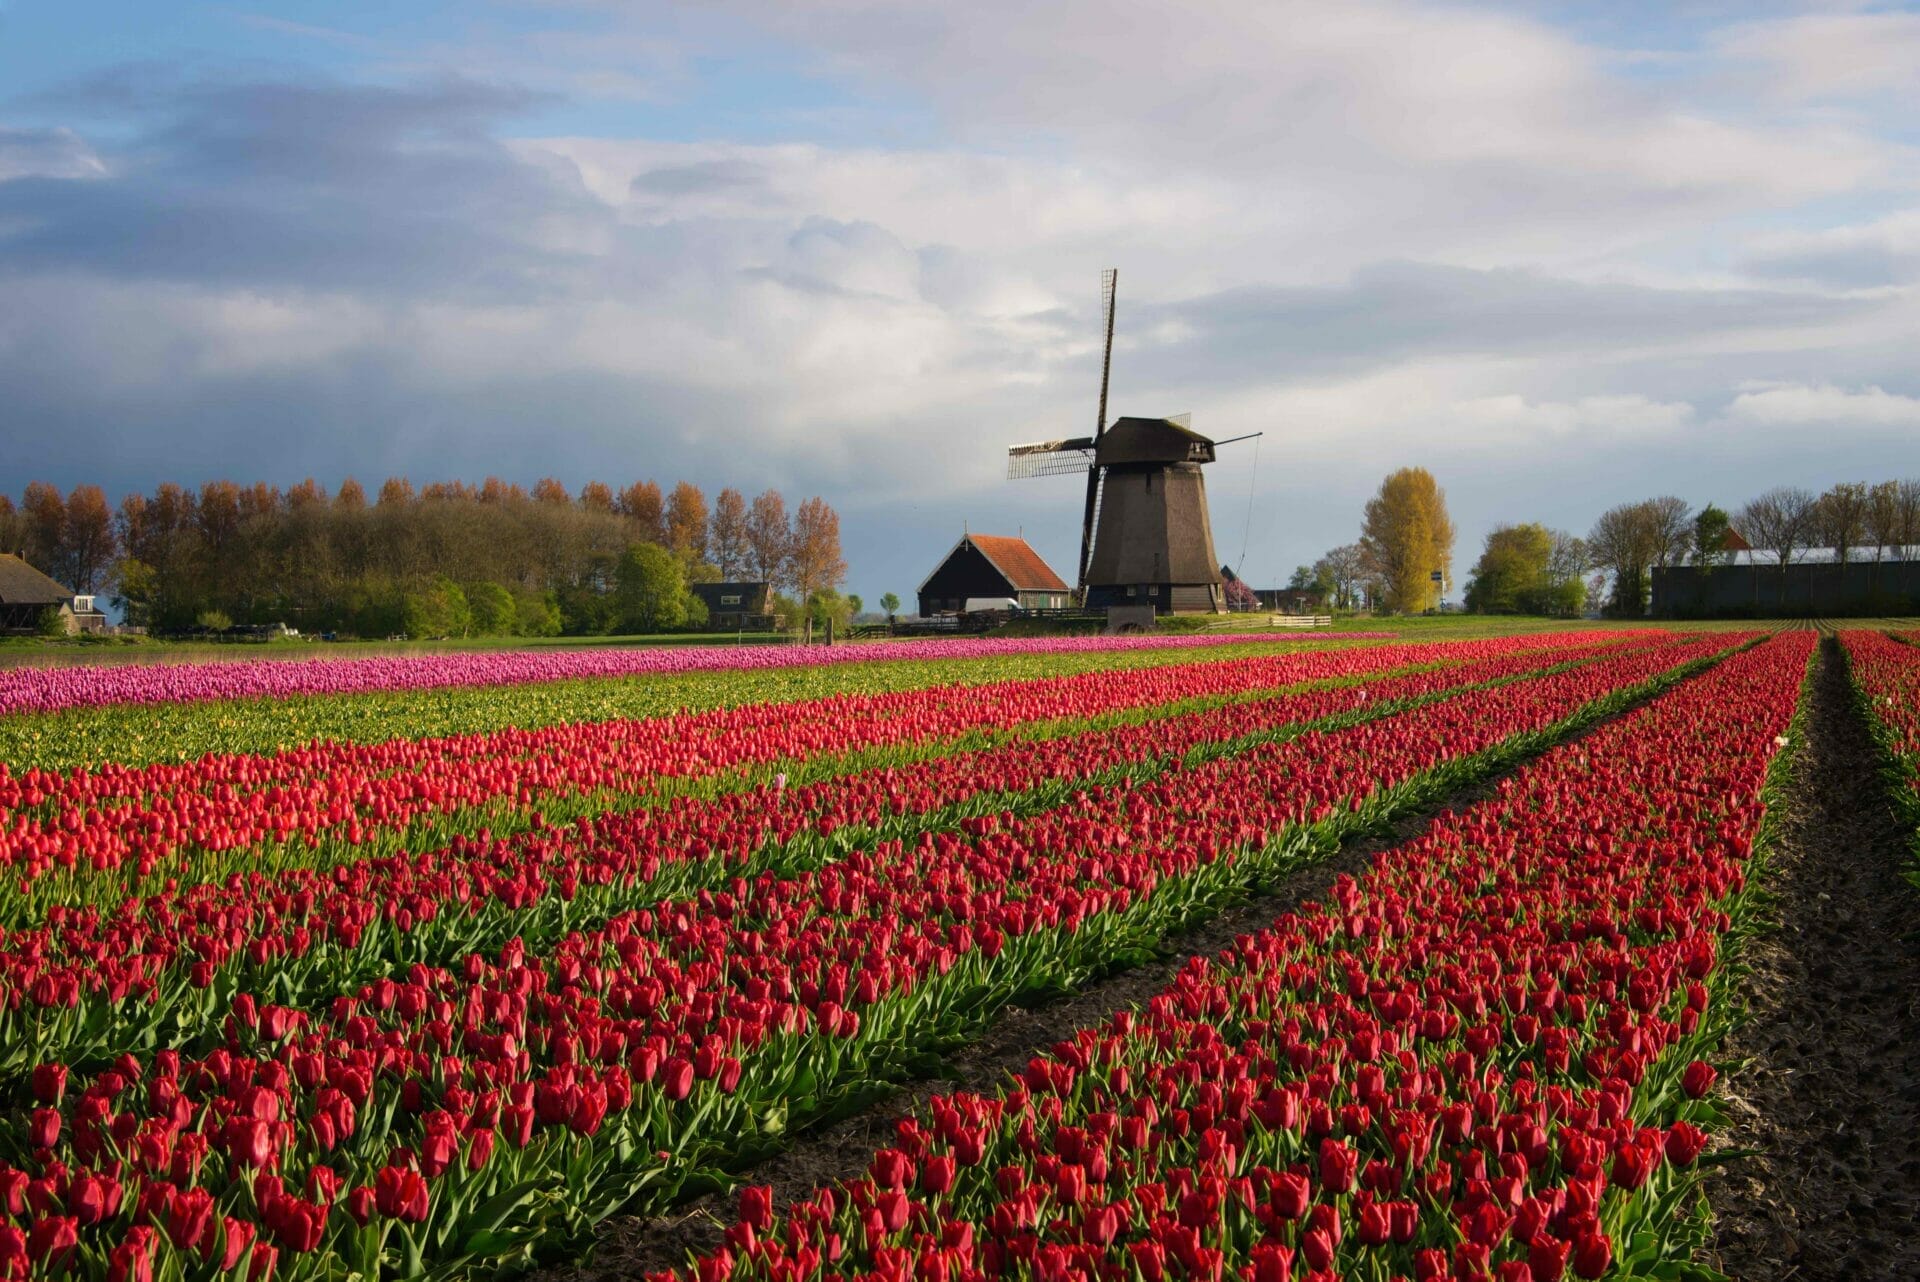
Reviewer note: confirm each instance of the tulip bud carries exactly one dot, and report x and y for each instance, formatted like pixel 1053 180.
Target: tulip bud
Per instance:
pixel 1698 1079
pixel 756 1206
pixel 1592 1255
pixel 50 1083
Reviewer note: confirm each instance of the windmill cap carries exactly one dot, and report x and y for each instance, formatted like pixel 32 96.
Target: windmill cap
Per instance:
pixel 1153 440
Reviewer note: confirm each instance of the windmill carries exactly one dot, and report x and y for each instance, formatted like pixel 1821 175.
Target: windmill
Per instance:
pixel 1145 536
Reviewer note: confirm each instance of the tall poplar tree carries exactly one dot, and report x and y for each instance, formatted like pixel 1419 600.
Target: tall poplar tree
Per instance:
pixel 1407 536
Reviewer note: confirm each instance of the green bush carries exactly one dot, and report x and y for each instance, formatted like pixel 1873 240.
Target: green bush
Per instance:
pixel 492 609
pixel 536 614
pixel 650 590
pixel 438 609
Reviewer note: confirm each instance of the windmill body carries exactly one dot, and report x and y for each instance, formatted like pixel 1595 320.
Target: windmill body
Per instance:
pixel 1153 538
pixel 1146 538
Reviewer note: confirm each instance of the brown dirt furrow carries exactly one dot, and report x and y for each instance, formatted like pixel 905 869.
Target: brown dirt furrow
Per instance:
pixel 1829 1094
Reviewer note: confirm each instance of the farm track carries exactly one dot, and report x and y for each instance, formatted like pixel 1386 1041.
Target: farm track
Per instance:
pixel 1830 1093
pixel 631 1246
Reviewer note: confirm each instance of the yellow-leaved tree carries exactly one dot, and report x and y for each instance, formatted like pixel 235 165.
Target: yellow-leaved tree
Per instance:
pixel 1407 537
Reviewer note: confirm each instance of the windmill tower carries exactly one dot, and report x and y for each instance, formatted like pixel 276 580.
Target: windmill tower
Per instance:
pixel 1145 537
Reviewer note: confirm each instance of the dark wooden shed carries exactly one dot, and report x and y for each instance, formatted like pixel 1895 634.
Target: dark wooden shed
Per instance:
pixel 996 568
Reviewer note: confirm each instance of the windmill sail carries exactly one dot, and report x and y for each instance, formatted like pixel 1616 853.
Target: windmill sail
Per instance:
pixel 1050 458
pixel 1109 294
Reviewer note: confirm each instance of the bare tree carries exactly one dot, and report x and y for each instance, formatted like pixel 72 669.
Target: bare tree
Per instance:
pixel 1670 524
pixel 1839 519
pixel 44 527
pixel 90 544
pixel 1909 523
pixel 1625 541
pixel 769 538
pixel 642 505
pixel 1346 566
pixel 814 550
pixel 727 533
pixel 1569 558
pixel 687 522
pixel 1780 521
pixel 1883 517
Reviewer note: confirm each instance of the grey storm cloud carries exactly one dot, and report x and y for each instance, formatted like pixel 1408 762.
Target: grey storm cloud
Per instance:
pixel 305 185
pixel 704 178
pixel 1395 312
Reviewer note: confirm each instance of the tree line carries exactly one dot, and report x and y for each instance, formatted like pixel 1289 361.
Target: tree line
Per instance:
pixel 446 559
pixel 1529 569
pixel 1785 524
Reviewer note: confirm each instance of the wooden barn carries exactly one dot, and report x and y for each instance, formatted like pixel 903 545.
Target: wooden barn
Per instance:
pixel 992 567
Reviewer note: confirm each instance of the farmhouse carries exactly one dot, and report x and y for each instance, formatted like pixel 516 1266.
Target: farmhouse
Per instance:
pixel 737 605
pixel 996 568
pixel 26 595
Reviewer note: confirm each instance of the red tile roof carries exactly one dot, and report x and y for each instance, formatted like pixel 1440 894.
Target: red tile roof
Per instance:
pixel 1019 562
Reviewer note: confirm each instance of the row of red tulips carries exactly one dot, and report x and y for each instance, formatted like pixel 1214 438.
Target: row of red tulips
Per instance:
pixel 1478 1060
pixel 1886 675
pixel 468 1112
pixel 302 932
pixel 99 818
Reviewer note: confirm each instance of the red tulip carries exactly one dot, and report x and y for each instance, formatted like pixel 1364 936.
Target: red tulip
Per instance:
pixel 190 1219
pixel 131 1260
pixel 1592 1255
pixel 1698 1079
pixel 49 1084
pixel 1338 1163
pixel 756 1206
pixel 401 1194
pixel 52 1242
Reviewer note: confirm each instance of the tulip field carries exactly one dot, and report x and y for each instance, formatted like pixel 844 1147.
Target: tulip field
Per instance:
pixel 583 936
pixel 1886 673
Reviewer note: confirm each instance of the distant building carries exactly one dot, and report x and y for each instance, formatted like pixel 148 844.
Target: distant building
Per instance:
pixel 26 595
pixel 87 617
pixel 734 606
pixel 992 567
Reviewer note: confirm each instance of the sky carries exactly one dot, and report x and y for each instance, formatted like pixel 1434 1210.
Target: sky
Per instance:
pixel 1563 255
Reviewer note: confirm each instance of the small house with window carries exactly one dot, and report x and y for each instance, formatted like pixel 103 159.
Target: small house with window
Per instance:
pixel 732 607
pixel 88 616
pixel 992 567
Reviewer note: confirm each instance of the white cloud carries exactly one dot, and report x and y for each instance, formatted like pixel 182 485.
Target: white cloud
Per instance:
pixel 1884 251
pixel 47 153
pixel 1590 418
pixel 1824 405
pixel 1832 55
